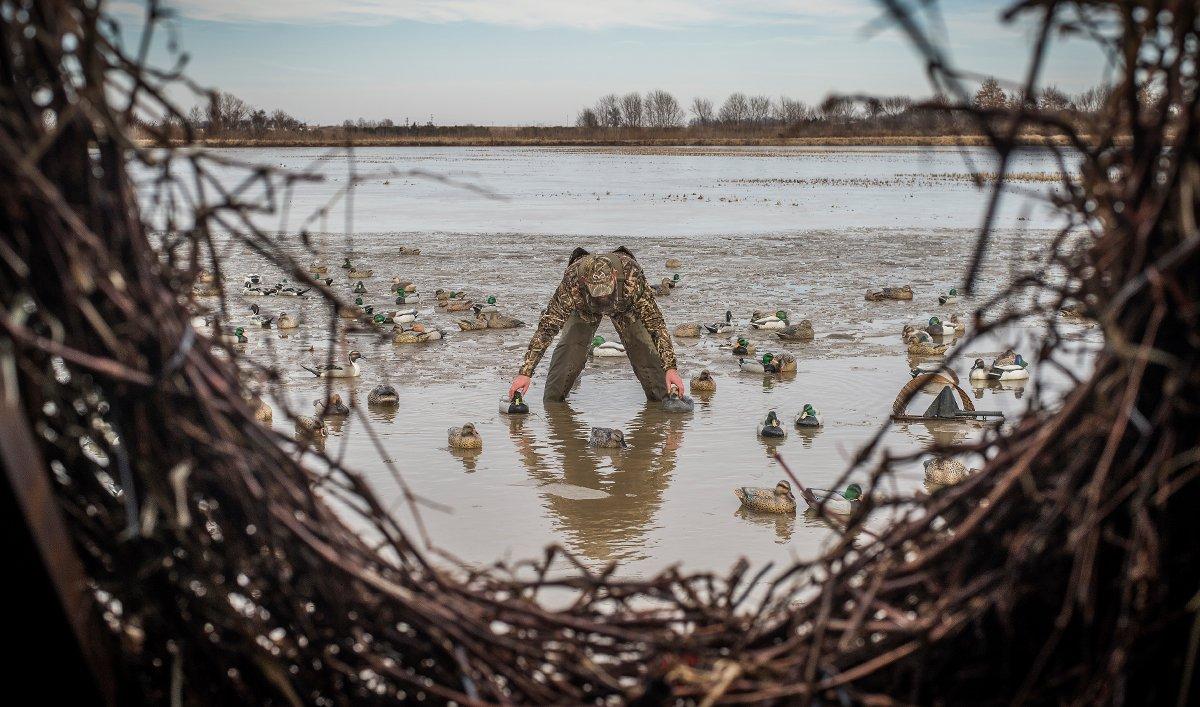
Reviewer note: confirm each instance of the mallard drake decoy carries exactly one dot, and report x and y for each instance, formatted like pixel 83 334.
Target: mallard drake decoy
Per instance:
pixel 703 382
pixel 359 273
pixel 674 263
pixel 674 402
pixel 945 471
pixel 409 298
pixel 903 292
pixel 465 437
pixel 808 417
pixel 754 365
pixel 778 321
pixel 687 331
pixel 514 406
pixel 383 395
pixel 742 347
pixel 360 288
pixel 797 332
pixel 334 407
pixel 725 327
pixel 839 502
pixel 605 438
pixel 606 349
pixel 935 328
pixel 286 321
pixel 770 427
pixel 237 337
pixel 937 372
pixel 404 316
pixel 337 371
pixel 416 334
pixel 674 281
pixel 496 320
pixel 949 298
pixel 776 500
pixel 1018 369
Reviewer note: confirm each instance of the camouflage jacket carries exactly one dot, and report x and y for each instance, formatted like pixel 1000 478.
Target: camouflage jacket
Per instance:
pixel 633 301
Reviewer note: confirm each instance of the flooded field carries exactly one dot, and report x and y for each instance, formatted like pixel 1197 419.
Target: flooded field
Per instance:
pixel 804 230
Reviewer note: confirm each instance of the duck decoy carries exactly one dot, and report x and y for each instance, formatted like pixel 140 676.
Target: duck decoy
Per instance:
pixel 776 500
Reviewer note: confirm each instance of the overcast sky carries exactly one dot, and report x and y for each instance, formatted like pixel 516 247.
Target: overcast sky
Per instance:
pixel 519 62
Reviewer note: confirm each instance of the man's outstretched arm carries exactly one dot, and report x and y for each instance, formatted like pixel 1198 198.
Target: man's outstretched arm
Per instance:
pixel 562 303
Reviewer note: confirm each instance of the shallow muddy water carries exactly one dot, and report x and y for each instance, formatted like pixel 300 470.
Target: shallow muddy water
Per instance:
pixel 668 497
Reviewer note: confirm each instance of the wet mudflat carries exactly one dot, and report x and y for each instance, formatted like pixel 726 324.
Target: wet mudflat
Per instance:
pixel 668 497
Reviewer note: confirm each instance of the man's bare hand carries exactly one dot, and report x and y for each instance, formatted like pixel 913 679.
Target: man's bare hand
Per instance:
pixel 672 379
pixel 520 383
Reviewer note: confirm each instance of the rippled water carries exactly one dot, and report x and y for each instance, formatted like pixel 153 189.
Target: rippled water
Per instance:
pixel 862 218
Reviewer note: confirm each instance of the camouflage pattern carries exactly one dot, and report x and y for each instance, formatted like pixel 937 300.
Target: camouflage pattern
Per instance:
pixel 632 302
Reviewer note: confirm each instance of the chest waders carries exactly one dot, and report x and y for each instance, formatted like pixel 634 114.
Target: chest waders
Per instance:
pixel 575 341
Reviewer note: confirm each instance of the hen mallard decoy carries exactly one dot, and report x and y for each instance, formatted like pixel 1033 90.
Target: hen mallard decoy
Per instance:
pixel 776 500
pixel 956 323
pixel 674 263
pixel 949 298
pixel 286 321
pixel 839 502
pixel 605 438
pixel 663 288
pixel 402 286
pixel 476 323
pixel 606 349
pixel 416 334
pixel 687 331
pixel 770 427
pixel 725 327
pixel 318 268
pixel 262 411
pixel 408 250
pixel 447 295
pixel 205 277
pixel 945 471
pixel 797 332
pixel 310 429
pixel 458 305
pixel 496 320
pixel 777 321
pixel 334 407
pixel 703 382
pixel 334 370
pixel 920 343
pixel 808 417
pixel 904 292
pixel 465 437
pixel 359 273
pixel 383 395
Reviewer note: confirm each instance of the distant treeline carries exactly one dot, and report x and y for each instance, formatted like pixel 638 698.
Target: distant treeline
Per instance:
pixel 655 117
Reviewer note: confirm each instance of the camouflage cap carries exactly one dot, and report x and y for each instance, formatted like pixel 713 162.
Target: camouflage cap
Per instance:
pixel 597 275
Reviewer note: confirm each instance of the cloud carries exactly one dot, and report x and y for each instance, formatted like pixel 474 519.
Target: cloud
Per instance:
pixel 579 14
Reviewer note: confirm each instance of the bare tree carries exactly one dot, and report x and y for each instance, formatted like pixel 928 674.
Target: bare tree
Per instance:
pixel 228 112
pixel 838 109
pixel 735 109
pixel 790 112
pixel 702 111
pixel 662 110
pixel 1053 99
pixel 587 118
pixel 990 96
pixel 631 109
pixel 893 106
pixel 1092 100
pixel 758 109
pixel 608 111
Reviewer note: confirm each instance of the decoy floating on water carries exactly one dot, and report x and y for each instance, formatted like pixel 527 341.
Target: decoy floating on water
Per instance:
pixel 778 321
pixel 311 430
pixel 776 500
pixel 949 298
pixel 903 292
pixel 725 327
pixel 838 502
pixel 770 427
pixel 1009 366
pixel 743 348
pixel 808 418
pixel 465 437
pixel 286 321
pixel 797 332
pixel 514 406
pixel 416 334
pixel 687 331
pixel 945 471
pixel 674 263
pixel 334 370
pixel 674 402
pixel 605 438
pixel 383 395
pixel 703 382
pixel 334 407
pixel 606 349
